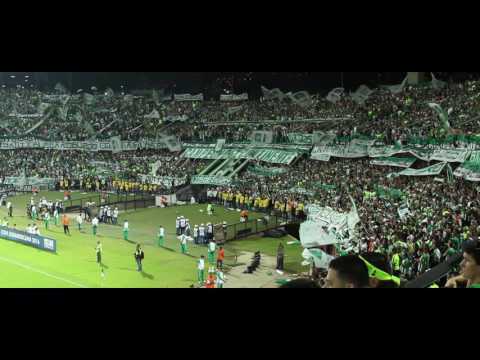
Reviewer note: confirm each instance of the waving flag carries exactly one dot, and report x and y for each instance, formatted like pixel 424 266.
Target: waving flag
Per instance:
pixel 442 115
pixel 335 95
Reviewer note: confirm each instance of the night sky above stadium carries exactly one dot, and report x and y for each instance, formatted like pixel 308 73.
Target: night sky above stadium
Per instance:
pixel 195 82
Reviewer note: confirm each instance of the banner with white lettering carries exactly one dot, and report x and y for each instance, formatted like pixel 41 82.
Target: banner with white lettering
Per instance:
pixel 394 161
pixel 113 144
pixel 233 97
pixel 36 241
pixel 188 97
pixel 267 155
pixel 428 171
pixel 166 181
pixel 210 180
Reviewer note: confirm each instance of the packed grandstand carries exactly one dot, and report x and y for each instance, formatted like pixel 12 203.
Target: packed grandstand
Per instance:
pixel 391 172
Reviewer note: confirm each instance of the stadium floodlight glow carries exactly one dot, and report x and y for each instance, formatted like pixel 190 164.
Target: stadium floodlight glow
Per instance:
pixel 12 76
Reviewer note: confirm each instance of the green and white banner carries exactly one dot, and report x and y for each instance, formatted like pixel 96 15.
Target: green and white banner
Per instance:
pixel 320 156
pixel 34 181
pixel 460 155
pixel 300 138
pixel 211 180
pixel 469 174
pixel 385 151
pixel 262 137
pixel 422 154
pixel 301 191
pixel 166 181
pixel 233 97
pixel 394 161
pixel 263 171
pixel 321 138
pixel 363 142
pixel 428 171
pixel 114 145
pixel 188 97
pixel 270 156
pixel 425 154
pixel 470 170
pixel 351 151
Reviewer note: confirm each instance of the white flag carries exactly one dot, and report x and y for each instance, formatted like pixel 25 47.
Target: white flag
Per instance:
pixel 318 257
pixel 275 94
pixel 301 98
pixel 335 95
pixel 362 94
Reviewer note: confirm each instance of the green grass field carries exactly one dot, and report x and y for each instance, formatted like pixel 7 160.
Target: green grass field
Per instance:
pixel 74 265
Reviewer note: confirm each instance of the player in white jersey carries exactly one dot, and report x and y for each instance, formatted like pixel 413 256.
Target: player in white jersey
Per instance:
pixel 201 234
pixel 183 224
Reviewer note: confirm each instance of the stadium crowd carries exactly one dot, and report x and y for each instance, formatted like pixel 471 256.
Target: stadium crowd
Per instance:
pixel 383 115
pixel 442 214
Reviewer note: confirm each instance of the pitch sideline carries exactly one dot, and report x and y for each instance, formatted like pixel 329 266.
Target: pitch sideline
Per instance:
pixel 41 272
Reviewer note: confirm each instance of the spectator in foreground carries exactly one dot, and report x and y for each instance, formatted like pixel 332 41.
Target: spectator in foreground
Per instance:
pixel 470 267
pixel 347 272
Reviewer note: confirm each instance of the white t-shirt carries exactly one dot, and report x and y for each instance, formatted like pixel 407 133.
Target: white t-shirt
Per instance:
pixel 79 219
pixel 195 231
pixel 201 231
pixel 9 204
pixel 183 239
pixel 210 229
pixel 115 213
pixel 94 221
pixel 162 232
pixel 201 264
pixel 177 223
pixel 182 222
pixel 125 226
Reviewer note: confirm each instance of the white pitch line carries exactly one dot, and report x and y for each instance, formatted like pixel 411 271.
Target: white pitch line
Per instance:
pixel 41 272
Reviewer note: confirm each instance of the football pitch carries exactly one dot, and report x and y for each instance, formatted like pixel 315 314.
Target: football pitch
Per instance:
pixel 74 265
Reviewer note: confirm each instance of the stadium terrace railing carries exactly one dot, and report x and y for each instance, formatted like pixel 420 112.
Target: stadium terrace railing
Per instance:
pixel 248 228
pixel 122 201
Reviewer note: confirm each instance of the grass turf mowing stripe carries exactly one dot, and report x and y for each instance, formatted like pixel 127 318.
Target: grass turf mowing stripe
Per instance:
pixel 41 272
